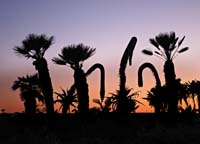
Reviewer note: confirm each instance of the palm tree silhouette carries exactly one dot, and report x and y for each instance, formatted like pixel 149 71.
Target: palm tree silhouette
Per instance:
pixel 167 48
pixel 30 91
pixel 128 99
pixel 104 106
pixel 153 95
pixel 157 98
pixel 194 89
pixel 66 99
pixel 35 46
pixel 75 55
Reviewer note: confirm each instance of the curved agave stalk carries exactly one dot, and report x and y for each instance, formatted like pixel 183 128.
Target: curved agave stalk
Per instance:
pixel 128 53
pixel 102 81
pixel 155 99
pixel 154 71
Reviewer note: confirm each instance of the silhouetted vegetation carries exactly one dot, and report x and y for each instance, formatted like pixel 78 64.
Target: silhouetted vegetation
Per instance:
pixel 154 97
pixel 75 55
pixel 167 48
pixel 35 46
pixel 172 97
pixel 66 99
pixel 29 92
pixel 115 119
pixel 122 100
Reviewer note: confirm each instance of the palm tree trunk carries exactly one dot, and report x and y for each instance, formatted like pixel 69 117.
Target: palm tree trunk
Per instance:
pixel 30 105
pixel 82 90
pixel 170 79
pixel 46 85
pixel 64 109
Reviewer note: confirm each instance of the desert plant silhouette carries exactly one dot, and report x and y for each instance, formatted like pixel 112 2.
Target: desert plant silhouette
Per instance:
pixel 75 55
pixel 66 99
pixel 122 101
pixel 154 96
pixel 167 48
pixel 154 71
pixel 158 99
pixel 104 106
pixel 29 92
pixel 194 89
pixel 35 46
pixel 129 102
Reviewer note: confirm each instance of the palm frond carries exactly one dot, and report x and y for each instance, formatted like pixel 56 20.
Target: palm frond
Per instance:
pixel 22 52
pixel 183 49
pixel 147 52
pixel 153 42
pixel 58 61
pixel 180 42
pixel 74 54
pixel 34 46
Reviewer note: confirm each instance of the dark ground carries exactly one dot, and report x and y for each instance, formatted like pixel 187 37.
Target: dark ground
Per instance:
pixel 111 129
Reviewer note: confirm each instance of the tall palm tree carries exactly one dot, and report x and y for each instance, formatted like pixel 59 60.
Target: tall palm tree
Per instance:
pixel 75 55
pixel 66 99
pixel 167 48
pixel 30 91
pixel 154 93
pixel 35 46
pixel 123 91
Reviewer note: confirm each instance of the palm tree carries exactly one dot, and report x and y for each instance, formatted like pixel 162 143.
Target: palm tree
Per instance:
pixel 157 98
pixel 30 91
pixel 75 55
pixel 106 105
pixel 35 46
pixel 129 101
pixel 66 99
pixel 153 95
pixel 194 89
pixel 183 92
pixel 167 48
pixel 123 91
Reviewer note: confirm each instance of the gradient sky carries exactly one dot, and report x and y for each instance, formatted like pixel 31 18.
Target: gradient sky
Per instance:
pixel 106 25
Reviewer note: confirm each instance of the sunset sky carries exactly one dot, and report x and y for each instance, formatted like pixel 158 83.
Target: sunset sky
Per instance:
pixel 106 25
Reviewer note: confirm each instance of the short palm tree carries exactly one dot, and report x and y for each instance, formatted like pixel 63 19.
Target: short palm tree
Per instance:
pixel 157 98
pixel 104 106
pixel 194 89
pixel 167 48
pixel 35 46
pixel 29 92
pixel 128 99
pixel 75 55
pixel 66 99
